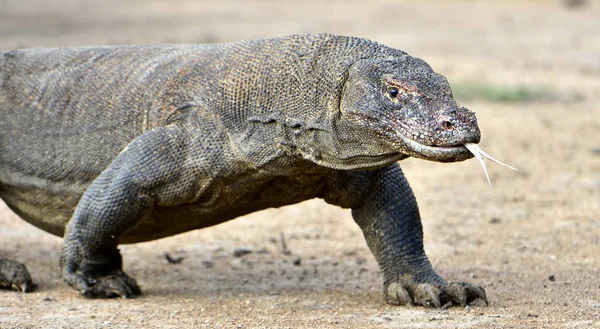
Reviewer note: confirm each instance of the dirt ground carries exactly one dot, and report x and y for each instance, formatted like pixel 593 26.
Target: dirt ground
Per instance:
pixel 533 240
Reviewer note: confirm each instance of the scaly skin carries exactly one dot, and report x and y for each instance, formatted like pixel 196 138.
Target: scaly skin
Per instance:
pixel 113 145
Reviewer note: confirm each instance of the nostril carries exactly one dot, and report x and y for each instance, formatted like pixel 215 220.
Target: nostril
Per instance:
pixel 447 125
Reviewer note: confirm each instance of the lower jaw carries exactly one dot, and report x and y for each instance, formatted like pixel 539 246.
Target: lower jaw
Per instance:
pixel 440 154
pixel 453 153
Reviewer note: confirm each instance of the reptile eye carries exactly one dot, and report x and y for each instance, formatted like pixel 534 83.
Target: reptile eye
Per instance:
pixel 393 92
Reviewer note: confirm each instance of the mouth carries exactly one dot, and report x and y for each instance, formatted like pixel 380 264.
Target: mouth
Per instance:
pixel 458 152
pixel 451 153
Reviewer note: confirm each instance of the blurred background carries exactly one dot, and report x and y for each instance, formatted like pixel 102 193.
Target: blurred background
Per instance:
pixel 509 42
pixel 529 69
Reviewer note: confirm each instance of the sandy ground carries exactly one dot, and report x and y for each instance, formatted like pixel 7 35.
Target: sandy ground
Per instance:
pixel 533 240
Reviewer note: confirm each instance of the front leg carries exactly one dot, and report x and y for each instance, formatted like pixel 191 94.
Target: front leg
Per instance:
pixel 391 224
pixel 153 170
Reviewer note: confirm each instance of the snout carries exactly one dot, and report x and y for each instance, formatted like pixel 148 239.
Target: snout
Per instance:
pixel 457 127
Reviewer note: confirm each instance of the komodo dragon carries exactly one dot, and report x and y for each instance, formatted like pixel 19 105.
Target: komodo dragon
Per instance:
pixel 110 145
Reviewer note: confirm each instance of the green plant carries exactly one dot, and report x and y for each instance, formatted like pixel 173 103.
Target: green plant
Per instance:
pixel 469 90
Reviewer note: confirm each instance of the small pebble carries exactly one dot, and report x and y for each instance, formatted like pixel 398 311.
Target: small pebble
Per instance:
pixel 172 260
pixel 297 261
pixel 239 252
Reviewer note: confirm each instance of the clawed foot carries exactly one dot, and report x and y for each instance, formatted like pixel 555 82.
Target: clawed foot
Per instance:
pixel 14 275
pixel 114 284
pixel 434 294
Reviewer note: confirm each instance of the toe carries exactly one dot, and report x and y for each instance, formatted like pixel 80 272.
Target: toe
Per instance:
pixel 475 292
pixel 133 286
pixel 454 293
pixel 397 295
pixel 112 286
pixel 434 294
pixel 14 275
pixel 115 285
pixel 462 293
pixel 427 295
pixel 24 286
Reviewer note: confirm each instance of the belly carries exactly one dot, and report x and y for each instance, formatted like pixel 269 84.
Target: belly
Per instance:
pixel 45 204
pixel 50 209
pixel 225 203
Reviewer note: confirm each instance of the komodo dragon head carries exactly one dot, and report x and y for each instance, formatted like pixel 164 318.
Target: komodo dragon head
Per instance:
pixel 408 104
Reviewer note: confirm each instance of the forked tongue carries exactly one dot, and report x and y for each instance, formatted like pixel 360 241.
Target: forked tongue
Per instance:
pixel 479 154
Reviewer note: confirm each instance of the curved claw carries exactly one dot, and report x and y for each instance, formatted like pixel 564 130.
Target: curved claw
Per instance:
pixel 455 293
pixel 115 284
pixel 434 295
pixel 14 275
pixel 427 295
pixel 397 295
pixel 463 293
pixel 474 292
